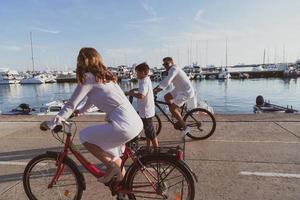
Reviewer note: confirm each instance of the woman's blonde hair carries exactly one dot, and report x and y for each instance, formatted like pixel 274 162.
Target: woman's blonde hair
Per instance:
pixel 89 60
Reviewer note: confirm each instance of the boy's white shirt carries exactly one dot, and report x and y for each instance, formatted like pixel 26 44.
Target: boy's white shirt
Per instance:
pixel 146 106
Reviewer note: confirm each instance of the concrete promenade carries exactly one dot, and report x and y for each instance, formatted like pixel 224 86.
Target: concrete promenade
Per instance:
pixel 248 157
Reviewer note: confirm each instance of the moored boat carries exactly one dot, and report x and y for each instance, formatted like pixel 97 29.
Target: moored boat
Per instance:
pixel 266 107
pixel 22 109
pixel 9 77
pixel 35 79
pixel 66 77
pixel 53 107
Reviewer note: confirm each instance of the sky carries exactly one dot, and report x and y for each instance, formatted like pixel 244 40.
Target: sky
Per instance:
pixel 134 31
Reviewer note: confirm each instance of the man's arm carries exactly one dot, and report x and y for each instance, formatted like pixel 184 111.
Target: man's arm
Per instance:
pixel 168 80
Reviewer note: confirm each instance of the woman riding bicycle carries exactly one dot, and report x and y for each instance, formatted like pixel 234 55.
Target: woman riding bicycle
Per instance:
pixel 105 141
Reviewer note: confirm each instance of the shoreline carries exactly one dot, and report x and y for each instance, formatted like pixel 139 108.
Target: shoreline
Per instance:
pixel 262 117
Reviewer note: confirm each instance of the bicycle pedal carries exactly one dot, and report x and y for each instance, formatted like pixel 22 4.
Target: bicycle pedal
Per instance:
pixel 177 126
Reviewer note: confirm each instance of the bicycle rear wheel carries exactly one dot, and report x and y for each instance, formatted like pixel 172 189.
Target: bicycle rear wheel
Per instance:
pixel 201 122
pixel 170 177
pixel 39 173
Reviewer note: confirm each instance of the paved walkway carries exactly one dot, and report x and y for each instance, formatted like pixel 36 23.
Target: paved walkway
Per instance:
pixel 248 157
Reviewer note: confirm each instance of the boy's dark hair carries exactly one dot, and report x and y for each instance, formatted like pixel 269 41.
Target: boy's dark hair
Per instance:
pixel 143 67
pixel 168 59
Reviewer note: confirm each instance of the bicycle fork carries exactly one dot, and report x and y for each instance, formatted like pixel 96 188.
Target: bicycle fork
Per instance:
pixel 59 170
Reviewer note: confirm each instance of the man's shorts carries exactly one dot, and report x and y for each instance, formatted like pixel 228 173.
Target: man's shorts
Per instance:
pixel 180 98
pixel 149 128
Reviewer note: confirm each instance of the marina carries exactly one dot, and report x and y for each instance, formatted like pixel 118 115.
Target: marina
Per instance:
pixel 127 74
pixel 229 96
pixel 240 134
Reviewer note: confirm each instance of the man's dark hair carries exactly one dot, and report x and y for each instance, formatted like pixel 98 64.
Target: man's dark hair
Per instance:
pixel 143 67
pixel 168 59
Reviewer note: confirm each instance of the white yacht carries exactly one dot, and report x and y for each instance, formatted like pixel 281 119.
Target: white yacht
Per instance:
pixel 53 107
pixel 35 79
pixel 199 76
pixel 66 77
pixel 9 77
pixel 50 78
pixel 224 74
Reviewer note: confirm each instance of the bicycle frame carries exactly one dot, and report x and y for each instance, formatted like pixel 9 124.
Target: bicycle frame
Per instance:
pixel 158 103
pixel 70 148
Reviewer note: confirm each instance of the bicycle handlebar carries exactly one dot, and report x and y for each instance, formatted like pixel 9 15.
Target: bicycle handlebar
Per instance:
pixel 44 126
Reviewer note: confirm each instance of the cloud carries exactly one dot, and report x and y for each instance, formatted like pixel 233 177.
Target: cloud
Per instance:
pixel 149 9
pixel 10 47
pixel 199 15
pixel 44 30
pixel 152 20
pixel 200 19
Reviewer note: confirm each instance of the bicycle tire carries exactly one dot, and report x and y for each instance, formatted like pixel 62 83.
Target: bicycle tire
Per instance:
pixel 199 119
pixel 161 159
pixel 40 161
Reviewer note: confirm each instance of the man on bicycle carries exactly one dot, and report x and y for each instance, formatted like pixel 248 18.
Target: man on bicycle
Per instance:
pixel 182 92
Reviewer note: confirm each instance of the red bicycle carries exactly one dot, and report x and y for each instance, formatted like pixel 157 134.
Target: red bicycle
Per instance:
pixel 153 174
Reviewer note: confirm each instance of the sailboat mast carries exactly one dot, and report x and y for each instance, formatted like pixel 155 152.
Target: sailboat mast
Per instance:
pixel 226 54
pixel 264 58
pixel 31 51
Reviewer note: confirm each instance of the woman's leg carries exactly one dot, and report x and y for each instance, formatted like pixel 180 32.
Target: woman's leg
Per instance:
pixel 99 153
pixel 106 158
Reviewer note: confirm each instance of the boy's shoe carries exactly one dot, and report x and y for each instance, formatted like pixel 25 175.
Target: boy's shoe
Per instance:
pixel 185 131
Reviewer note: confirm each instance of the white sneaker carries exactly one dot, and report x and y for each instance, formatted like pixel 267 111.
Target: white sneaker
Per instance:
pixel 185 131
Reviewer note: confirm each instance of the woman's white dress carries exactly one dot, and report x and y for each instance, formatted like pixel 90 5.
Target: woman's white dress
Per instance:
pixel 123 121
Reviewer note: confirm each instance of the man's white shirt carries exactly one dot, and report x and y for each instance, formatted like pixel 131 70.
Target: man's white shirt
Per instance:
pixel 180 80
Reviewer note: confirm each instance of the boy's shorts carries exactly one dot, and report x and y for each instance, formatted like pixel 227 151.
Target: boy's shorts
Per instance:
pixel 149 128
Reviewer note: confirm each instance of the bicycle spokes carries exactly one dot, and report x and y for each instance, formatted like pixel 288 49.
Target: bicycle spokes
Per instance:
pixel 201 123
pixel 47 181
pixel 168 180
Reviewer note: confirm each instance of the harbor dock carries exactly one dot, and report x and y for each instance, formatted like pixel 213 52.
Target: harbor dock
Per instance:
pixel 248 157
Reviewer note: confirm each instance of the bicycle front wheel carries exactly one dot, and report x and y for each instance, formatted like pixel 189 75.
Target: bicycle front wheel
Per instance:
pixel 39 173
pixel 201 122
pixel 160 177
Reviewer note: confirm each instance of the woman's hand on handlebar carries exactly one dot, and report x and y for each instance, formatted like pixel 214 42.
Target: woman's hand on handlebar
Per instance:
pixel 46 125
pixel 55 124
